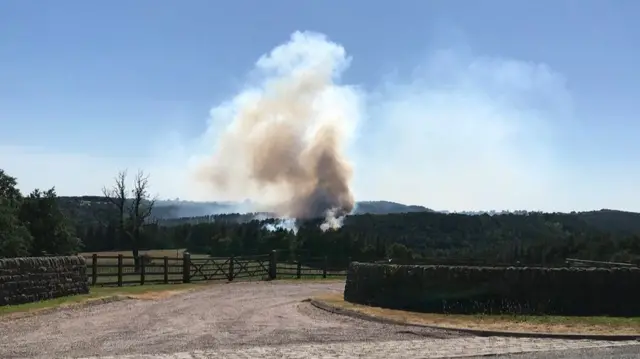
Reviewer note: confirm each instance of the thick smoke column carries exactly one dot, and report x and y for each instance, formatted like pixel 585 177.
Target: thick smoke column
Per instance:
pixel 283 142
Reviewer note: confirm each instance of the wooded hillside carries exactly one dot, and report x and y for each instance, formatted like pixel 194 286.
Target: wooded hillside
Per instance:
pixel 43 222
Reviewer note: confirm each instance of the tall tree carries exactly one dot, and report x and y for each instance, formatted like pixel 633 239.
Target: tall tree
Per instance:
pixel 117 196
pixel 139 211
pixel 15 239
pixel 47 224
pixel 133 212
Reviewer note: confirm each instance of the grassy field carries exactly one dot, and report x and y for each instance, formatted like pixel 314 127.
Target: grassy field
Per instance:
pixel 101 294
pixel 174 254
pixel 511 323
pixel 250 268
pixel 154 272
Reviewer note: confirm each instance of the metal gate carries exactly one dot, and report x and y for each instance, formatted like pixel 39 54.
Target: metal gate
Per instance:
pixel 229 268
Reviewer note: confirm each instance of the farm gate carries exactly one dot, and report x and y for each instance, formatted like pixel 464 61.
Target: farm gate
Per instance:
pixel 226 268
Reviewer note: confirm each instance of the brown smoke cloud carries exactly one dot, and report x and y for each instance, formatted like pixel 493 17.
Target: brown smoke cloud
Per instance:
pixel 285 141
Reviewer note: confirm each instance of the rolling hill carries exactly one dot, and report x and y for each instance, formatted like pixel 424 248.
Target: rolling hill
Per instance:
pixel 90 208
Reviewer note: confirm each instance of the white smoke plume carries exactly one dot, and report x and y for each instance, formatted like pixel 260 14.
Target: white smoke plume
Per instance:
pixel 288 224
pixel 443 127
pixel 283 140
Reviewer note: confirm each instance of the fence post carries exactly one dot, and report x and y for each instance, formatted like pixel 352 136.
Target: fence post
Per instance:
pixel 94 269
pixel 119 270
pixel 186 267
pixel 273 264
pixel 298 268
pixel 324 267
pixel 142 269
pixel 231 270
pixel 166 270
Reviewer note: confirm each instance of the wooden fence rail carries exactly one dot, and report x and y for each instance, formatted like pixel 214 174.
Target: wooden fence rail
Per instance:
pixel 121 270
pixel 588 263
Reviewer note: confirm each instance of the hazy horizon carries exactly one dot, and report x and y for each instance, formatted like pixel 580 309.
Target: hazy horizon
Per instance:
pixel 453 106
pixel 245 210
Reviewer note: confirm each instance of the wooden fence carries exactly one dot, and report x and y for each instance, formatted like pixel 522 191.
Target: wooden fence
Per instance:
pixel 573 262
pixel 120 270
pixel 109 270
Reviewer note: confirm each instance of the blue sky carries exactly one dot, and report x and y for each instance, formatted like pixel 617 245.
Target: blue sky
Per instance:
pixel 460 104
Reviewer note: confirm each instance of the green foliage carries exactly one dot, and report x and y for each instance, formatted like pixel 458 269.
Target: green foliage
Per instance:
pixel 399 252
pixel 37 224
pixel 32 226
pixel 431 237
pixel 15 239
pixel 48 226
pixel 494 290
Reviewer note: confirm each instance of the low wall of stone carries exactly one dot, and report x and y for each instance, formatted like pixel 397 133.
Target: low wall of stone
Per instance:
pixel 495 290
pixel 31 279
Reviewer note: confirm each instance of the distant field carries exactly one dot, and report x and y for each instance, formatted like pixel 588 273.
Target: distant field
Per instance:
pixel 154 271
pixel 171 253
pixel 215 269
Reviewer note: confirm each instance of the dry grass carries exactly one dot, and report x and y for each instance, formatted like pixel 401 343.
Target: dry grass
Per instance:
pixel 101 295
pixel 507 323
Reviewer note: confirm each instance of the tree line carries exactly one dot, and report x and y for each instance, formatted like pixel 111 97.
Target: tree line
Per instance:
pixel 33 225
pixel 122 219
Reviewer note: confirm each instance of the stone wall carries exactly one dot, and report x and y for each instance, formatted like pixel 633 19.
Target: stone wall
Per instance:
pixel 32 279
pixel 494 290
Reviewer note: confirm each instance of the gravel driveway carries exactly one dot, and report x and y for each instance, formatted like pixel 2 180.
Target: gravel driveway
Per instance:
pixel 220 319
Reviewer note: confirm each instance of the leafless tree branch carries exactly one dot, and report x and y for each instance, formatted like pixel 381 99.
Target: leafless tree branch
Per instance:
pixel 117 194
pixel 133 211
pixel 142 203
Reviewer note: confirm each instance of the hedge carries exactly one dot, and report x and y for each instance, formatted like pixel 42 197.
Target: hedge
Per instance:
pixel 492 290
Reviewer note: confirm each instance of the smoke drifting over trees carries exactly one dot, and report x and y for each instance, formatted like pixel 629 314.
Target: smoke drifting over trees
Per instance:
pixel 284 140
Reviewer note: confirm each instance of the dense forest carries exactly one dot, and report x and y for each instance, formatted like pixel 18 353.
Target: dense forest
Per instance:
pixel 42 223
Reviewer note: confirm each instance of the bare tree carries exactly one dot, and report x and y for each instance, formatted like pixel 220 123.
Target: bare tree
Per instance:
pixel 133 216
pixel 139 210
pixel 117 195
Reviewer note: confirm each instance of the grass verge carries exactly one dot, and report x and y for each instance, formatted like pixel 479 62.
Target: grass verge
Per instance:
pixel 503 323
pixel 100 295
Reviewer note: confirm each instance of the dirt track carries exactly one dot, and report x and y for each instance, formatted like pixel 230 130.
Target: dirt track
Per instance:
pixel 224 315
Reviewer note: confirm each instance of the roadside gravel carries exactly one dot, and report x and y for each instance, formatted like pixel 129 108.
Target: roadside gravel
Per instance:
pixel 266 320
pixel 623 352
pixel 223 315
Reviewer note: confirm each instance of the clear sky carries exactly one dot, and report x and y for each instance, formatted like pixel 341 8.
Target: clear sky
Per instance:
pixel 474 105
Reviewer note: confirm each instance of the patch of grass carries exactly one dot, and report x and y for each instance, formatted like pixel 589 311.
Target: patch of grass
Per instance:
pixel 508 323
pixel 102 293
pixel 289 270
